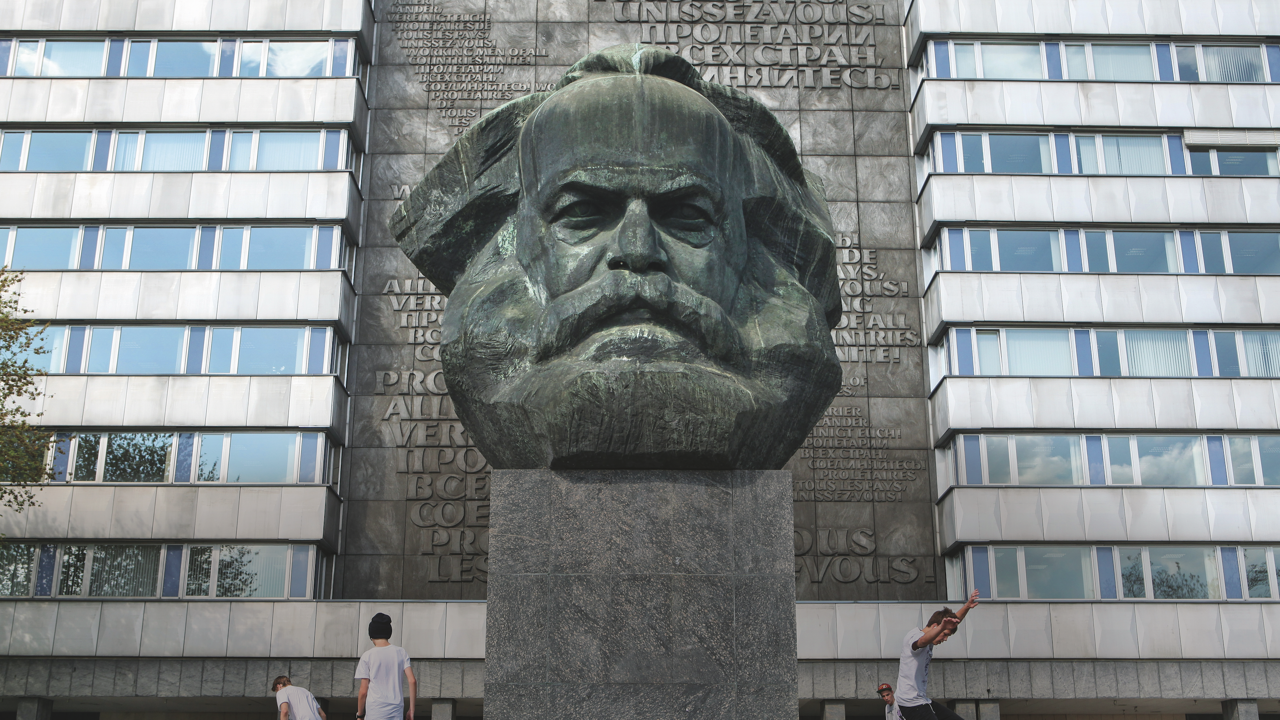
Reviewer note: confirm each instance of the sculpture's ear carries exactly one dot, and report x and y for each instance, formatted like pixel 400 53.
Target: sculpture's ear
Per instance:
pixel 466 198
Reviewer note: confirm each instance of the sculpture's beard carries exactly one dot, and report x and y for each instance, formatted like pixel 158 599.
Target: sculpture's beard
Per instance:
pixel 633 371
pixel 636 310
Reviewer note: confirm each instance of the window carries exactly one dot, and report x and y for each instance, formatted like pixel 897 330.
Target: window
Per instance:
pixel 1184 573
pixel 117 57
pixel 1053 153
pixel 154 570
pixel 1232 161
pixel 173 248
pixel 168 151
pixel 1127 62
pixel 1171 461
pixel 168 350
pixel 151 457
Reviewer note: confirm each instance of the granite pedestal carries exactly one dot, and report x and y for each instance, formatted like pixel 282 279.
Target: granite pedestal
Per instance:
pixel 641 594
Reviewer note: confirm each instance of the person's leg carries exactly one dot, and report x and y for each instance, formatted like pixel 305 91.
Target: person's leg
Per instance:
pixel 919 712
pixel 943 712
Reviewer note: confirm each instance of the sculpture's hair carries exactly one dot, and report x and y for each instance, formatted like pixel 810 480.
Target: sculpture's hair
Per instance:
pixel 472 193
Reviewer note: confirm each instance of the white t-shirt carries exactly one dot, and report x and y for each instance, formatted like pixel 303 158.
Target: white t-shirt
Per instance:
pixel 384 668
pixel 302 704
pixel 913 672
pixel 891 711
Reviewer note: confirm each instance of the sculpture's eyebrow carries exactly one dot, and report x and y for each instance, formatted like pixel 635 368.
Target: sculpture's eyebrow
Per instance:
pixel 587 180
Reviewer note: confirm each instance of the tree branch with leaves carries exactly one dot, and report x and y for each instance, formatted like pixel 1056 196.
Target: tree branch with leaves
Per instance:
pixel 23 446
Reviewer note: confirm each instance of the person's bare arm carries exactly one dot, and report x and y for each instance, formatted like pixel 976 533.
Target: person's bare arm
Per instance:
pixel 973 603
pixel 284 711
pixel 413 692
pixel 932 632
pixel 322 715
pixel 364 693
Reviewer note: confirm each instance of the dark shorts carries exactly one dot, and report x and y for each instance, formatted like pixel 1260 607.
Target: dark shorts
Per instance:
pixel 932 711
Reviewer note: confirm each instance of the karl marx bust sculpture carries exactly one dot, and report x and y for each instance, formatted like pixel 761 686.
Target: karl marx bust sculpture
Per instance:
pixel 640 274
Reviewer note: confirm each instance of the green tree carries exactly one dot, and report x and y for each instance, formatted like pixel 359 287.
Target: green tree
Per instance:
pixel 23 446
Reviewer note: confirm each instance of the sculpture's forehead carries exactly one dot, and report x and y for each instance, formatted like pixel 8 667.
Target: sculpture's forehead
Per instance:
pixel 627 121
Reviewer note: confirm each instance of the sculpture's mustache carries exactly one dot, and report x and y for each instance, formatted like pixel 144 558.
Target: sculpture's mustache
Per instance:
pixel 576 315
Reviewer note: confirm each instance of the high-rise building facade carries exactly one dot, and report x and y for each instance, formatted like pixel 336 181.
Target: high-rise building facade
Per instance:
pixel 1058 226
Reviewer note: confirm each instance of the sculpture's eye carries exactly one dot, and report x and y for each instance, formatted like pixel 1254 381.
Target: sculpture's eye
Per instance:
pixel 688 211
pixel 684 215
pixel 581 210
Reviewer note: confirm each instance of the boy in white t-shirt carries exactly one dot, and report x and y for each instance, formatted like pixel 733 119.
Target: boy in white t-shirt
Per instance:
pixel 295 703
pixel 913 664
pixel 381 696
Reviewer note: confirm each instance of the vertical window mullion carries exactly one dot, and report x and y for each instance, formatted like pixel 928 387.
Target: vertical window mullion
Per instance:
pixel 115 348
pixel 26 149
pixel 1022 574
pixel 986 146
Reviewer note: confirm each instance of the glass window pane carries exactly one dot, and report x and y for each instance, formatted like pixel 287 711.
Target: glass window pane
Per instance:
pixel 58 151
pixel 1087 155
pixel 45 352
pixel 271 351
pixel 341 47
pixel 1241 460
pixel 11 151
pixel 1131 573
pixel 37 248
pixel 138 457
pixel 1028 250
pixel 185 58
pixel 126 152
pixel 86 467
pixel 1106 574
pixel 250 59
pixel 220 347
pixel 972 460
pixel 997 459
pixel 1170 460
pixel 288 151
pixel 1019 153
pixel 1228 357
pixel 199 568
pixel 297 59
pixel 1120 459
pixel 113 249
pixel 981 571
pixel 150 350
pixel 161 248
pixel 71 577
pixel 1211 248
pixel 1233 64
pixel 1157 353
pixel 971 153
pixel 139 58
pixel 101 341
pixel 1059 573
pixel 1201 162
pixel 210 469
pixel 125 571
pixel 1006 562
pixel 229 255
pixel 1144 251
pixel 279 248
pixel 1122 62
pixel 1255 572
pixel 980 248
pixel 262 458
pixel 1184 573
pixel 1133 154
pixel 72 58
pixel 173 152
pixel 1077 64
pixel 298 571
pixel 16 562
pixel 988 352
pixel 1255 253
pixel 28 58
pixel 1247 162
pixel 966 64
pixel 241 151
pixel 1014 62
pixel 1048 459
pixel 1038 352
pixel 251 570
pixel 1269 455
pixel 1262 353
pixel 1188 69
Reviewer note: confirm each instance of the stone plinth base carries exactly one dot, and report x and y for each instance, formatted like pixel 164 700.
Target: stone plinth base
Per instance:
pixel 650 594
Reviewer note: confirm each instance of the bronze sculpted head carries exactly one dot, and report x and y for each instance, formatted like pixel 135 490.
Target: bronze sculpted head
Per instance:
pixel 640 274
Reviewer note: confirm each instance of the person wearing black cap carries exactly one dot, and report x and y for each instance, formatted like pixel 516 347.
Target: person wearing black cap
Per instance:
pixel 381 697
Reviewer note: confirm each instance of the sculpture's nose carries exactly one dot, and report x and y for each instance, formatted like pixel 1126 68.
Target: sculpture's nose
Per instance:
pixel 636 245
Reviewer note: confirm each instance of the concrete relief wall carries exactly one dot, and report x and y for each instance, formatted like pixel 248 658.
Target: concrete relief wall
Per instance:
pixel 833 73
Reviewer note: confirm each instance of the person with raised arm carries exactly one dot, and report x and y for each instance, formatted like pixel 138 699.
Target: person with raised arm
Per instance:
pixel 913 664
